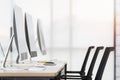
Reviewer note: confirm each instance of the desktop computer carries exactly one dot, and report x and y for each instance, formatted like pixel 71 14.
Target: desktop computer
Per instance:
pixel 23 35
pixel 30 37
pixel 19 35
pixel 40 38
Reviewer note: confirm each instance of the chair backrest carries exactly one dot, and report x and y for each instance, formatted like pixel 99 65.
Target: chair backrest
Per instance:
pixel 103 62
pixel 82 72
pixel 89 74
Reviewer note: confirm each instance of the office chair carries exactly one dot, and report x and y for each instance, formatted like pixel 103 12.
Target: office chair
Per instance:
pixel 103 62
pixel 82 72
pixel 101 67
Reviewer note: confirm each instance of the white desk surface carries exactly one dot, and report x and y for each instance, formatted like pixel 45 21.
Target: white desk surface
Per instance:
pixel 48 71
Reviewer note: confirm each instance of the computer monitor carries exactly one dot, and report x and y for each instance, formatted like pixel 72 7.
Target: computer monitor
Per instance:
pixel 30 37
pixel 40 38
pixel 15 36
pixel 19 33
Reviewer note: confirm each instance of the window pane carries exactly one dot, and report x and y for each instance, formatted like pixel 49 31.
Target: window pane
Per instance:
pixel 60 23
pixel 92 23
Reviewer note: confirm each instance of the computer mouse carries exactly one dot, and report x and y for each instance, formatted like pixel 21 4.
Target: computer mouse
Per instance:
pixel 49 64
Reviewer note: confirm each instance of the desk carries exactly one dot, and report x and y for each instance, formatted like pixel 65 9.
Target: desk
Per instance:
pixel 49 73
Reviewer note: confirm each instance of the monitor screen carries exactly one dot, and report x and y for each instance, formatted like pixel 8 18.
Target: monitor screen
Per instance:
pixel 30 37
pixel 40 38
pixel 19 33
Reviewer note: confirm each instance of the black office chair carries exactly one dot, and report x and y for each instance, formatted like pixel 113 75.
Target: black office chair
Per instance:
pixel 82 72
pixel 101 67
pixel 103 62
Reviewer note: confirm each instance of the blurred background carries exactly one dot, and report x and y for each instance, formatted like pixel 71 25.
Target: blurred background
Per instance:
pixel 69 28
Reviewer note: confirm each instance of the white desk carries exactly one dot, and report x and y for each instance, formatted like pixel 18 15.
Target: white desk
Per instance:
pixel 47 72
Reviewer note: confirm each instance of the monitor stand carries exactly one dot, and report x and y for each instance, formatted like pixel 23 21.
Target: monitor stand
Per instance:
pixel 7 52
